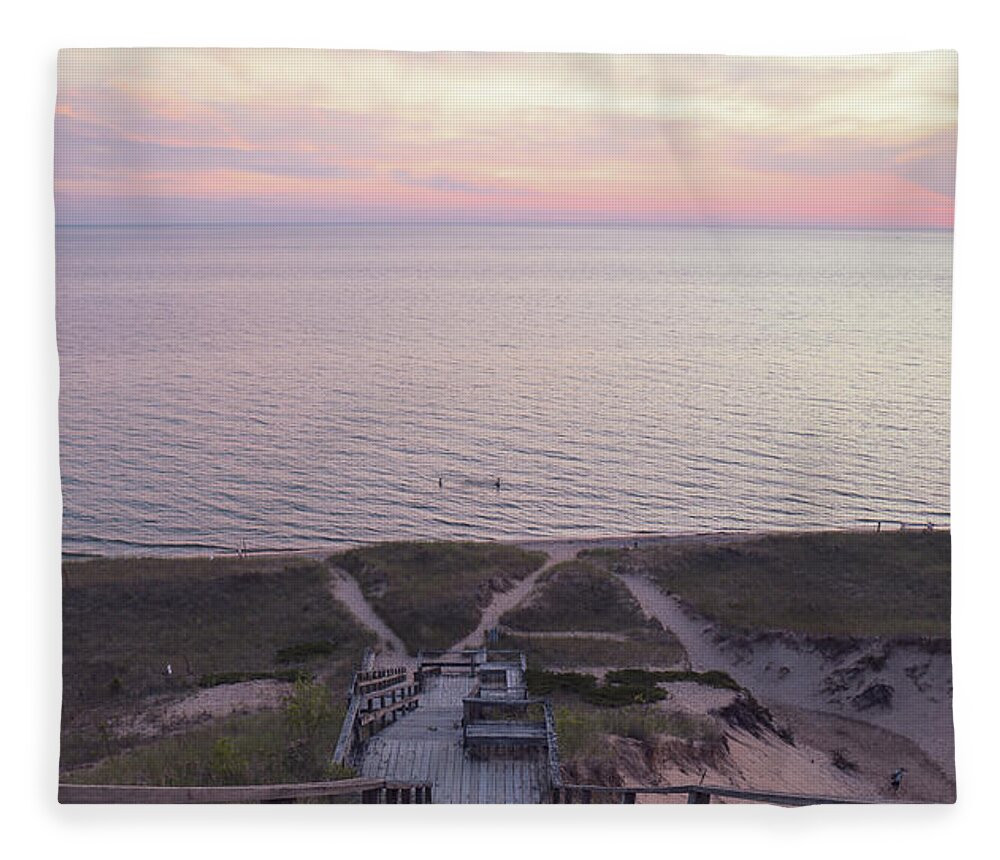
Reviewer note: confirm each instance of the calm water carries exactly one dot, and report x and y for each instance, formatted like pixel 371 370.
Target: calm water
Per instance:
pixel 306 386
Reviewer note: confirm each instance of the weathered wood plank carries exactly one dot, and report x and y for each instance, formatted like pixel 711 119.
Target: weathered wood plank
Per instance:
pixel 365 716
pixel 721 791
pixel 466 779
pixel 149 794
pixel 455 782
pixel 424 760
pixel 429 756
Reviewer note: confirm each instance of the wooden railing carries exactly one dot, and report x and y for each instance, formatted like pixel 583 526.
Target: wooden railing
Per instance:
pixel 697 794
pixel 552 748
pixel 376 699
pixel 356 790
pixel 431 661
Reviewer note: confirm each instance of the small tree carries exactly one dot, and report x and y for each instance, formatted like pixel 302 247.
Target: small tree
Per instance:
pixel 311 725
pixel 226 765
pixel 307 709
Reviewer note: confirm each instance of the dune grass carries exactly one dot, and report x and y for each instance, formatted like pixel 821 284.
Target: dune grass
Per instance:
pixel 644 646
pixel 577 596
pixel 212 621
pixel 119 635
pixel 432 594
pixel 624 705
pixel 582 729
pixel 271 747
pixel 713 678
pixel 586 688
pixel 820 584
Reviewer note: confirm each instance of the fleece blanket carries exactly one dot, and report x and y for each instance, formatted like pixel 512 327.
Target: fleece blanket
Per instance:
pixel 505 428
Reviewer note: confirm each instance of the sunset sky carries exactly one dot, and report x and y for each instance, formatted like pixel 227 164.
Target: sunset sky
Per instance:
pixel 155 136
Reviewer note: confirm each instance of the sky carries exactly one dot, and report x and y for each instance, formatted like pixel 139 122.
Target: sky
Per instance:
pixel 238 135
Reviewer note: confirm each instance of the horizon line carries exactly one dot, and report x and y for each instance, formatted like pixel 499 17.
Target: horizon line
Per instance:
pixel 459 223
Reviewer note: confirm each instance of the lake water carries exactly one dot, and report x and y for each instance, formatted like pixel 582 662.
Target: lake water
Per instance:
pixel 305 386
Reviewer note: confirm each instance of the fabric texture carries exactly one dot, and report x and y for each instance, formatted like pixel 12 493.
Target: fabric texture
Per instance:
pixel 505 428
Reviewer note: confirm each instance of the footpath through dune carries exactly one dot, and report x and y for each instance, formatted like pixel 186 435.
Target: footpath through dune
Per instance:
pixel 390 650
pixel 504 601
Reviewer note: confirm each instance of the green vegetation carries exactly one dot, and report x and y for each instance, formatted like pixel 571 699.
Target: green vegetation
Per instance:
pixel 610 694
pixel 819 584
pixel 582 731
pixel 588 712
pixel 648 646
pixel 213 621
pixel 217 679
pixel 304 650
pixel 120 632
pixel 621 686
pixel 291 745
pixel 577 596
pixel 641 677
pixel 432 594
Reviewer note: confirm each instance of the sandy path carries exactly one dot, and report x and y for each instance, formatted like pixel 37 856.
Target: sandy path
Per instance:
pixel 702 653
pixel 559 551
pixel 390 650
pixel 567 634
pixel 504 601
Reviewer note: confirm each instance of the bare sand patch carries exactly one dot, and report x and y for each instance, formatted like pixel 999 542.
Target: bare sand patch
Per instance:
pixel 167 717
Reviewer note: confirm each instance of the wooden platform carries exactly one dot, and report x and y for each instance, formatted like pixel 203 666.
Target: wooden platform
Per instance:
pixel 425 746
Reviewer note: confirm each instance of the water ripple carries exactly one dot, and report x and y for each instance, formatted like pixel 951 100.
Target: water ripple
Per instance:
pixel 309 385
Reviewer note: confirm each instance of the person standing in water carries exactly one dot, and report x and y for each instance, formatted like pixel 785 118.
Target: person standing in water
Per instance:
pixel 440 483
pixel 498 484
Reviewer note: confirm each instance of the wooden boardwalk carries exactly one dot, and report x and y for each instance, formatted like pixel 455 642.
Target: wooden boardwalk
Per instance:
pixel 425 746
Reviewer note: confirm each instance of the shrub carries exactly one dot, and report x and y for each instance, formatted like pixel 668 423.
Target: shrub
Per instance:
pixel 581 731
pixel 304 650
pixel 226 765
pixel 642 677
pixel 585 687
pixel 219 678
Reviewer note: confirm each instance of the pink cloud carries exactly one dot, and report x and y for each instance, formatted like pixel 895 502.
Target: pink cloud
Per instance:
pixel 508 138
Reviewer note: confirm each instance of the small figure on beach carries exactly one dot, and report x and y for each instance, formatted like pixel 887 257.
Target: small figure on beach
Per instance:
pixel 498 483
pixel 440 483
pixel 930 527
pixel 897 778
pixel 170 670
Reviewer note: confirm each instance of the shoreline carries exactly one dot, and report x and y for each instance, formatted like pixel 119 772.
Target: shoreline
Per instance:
pixel 592 540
